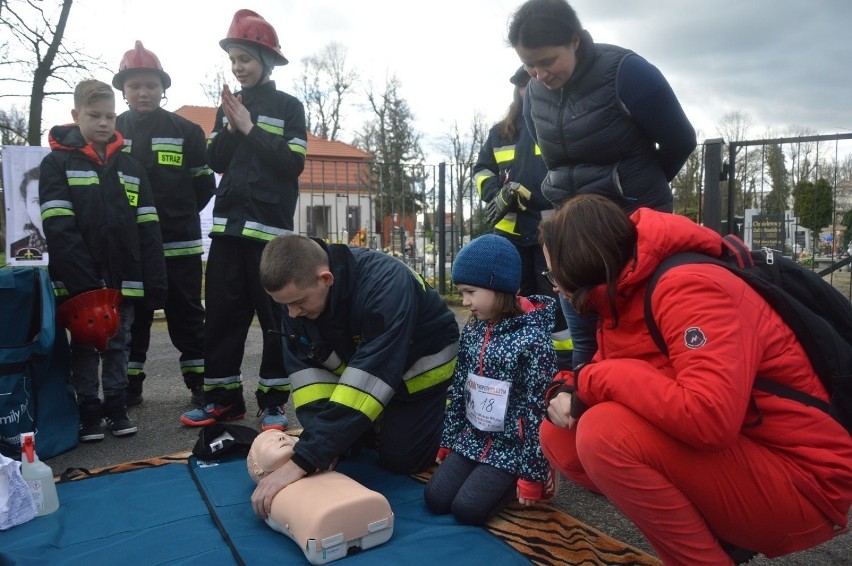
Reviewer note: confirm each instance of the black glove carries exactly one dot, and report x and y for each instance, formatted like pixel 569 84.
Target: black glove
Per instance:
pixel 511 198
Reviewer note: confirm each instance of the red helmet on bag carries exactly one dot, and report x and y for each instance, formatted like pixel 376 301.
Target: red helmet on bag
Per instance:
pixel 139 59
pixel 250 28
pixel 91 317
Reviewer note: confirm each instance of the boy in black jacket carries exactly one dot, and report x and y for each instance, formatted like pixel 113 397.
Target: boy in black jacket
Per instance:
pixel 102 228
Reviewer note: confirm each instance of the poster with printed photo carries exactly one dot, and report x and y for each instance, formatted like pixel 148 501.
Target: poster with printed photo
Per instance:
pixel 25 243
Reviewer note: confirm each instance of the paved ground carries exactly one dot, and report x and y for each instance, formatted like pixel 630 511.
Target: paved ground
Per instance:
pixel 160 432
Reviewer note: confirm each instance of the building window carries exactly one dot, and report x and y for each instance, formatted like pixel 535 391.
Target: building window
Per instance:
pixel 353 219
pixel 318 221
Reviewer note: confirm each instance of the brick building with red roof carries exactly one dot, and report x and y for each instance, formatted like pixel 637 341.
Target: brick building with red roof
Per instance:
pixel 334 189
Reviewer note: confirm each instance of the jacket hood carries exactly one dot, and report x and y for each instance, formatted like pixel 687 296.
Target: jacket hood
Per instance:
pixel 660 235
pixel 68 138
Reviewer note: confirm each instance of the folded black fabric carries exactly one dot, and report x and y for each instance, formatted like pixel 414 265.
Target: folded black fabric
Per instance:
pixel 223 439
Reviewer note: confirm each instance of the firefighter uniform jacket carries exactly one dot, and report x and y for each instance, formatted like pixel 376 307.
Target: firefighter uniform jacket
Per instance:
pixel 99 220
pixel 501 160
pixel 384 334
pixel 256 197
pixel 173 151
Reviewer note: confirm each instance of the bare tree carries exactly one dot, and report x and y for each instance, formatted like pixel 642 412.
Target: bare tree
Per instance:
pixel 13 127
pixel 734 127
pixel 463 149
pixel 35 56
pixel 323 87
pixel 213 84
pixel 13 131
pixel 390 136
pixel 687 184
pixel 802 156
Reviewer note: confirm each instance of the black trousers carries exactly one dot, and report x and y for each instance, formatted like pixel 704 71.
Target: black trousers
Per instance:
pixel 184 318
pixel 409 430
pixel 233 295
pixel 473 492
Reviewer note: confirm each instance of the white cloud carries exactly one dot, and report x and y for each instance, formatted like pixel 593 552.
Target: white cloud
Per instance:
pixel 784 62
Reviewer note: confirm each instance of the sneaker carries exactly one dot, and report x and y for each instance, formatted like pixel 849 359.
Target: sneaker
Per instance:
pixel 551 485
pixel 273 418
pixel 91 432
pixel 212 412
pixel 116 419
pixel 197 398
pixel 91 413
pixel 120 425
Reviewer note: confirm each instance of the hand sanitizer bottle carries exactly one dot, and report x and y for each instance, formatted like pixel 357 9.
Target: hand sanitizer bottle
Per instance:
pixel 38 476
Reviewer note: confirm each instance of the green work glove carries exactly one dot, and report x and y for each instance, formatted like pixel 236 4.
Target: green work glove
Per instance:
pixel 511 198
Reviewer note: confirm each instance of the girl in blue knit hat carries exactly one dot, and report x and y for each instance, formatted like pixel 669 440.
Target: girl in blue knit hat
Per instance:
pixel 490 451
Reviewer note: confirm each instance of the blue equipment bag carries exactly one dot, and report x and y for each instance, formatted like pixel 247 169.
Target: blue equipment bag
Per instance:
pixel 35 366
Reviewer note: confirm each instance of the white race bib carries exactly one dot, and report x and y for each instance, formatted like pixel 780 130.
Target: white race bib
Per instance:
pixel 486 401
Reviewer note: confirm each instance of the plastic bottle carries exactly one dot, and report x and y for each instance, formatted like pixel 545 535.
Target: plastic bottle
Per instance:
pixel 38 476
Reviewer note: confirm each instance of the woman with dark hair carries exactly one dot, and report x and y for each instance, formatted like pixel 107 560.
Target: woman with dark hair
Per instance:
pixel 711 470
pixel 606 120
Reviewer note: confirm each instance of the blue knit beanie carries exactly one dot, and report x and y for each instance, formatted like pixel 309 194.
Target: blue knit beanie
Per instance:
pixel 489 262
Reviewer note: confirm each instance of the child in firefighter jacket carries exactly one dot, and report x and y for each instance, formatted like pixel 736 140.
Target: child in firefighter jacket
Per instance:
pixel 101 225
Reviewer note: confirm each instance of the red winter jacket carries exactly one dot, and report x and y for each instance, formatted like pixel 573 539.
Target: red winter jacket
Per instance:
pixel 720 334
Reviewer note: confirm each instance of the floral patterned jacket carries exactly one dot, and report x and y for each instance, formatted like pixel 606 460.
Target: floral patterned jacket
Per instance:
pixel 518 350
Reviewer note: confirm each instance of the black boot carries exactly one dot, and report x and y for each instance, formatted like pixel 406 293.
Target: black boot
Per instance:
pixel 91 413
pixel 134 389
pixel 115 414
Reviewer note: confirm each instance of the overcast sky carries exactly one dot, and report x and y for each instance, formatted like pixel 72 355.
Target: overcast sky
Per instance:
pixel 785 63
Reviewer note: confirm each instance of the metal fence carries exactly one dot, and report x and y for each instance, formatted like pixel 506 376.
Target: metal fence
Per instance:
pixel 421 214
pixel 792 194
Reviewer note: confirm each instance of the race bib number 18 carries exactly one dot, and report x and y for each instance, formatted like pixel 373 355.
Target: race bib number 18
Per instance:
pixel 486 402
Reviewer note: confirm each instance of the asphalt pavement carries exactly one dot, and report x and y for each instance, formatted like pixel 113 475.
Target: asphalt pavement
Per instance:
pixel 161 432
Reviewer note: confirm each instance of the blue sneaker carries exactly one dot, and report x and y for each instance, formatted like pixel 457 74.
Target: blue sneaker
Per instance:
pixel 212 413
pixel 273 418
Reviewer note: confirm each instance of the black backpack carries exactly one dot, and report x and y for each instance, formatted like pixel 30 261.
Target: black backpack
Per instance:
pixel 819 315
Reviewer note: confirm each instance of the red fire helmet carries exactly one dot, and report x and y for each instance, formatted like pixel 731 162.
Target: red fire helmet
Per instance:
pixel 250 27
pixel 139 59
pixel 91 317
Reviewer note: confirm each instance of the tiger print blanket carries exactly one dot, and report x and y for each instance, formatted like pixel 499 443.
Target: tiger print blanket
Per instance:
pixel 542 533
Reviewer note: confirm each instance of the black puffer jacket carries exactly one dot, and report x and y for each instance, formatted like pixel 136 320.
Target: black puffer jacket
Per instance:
pixel 590 142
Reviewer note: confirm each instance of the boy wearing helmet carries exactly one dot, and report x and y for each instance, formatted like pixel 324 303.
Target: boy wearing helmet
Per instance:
pixel 99 220
pixel 172 150
pixel 259 144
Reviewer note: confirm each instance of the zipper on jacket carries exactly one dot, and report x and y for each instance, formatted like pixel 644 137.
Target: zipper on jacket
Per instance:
pixel 560 122
pixel 482 350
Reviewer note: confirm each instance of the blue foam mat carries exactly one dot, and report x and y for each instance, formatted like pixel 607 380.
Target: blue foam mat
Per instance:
pixel 147 516
pixel 419 537
pixel 155 516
